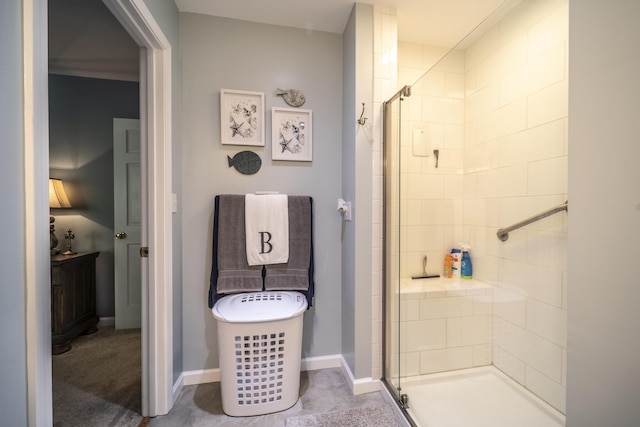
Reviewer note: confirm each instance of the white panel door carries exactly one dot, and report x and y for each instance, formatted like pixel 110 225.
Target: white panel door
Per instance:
pixel 127 222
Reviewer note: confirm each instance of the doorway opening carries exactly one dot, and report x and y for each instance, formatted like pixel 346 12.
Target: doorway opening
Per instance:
pixel 94 73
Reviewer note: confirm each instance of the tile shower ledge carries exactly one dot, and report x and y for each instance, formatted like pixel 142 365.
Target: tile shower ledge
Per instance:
pixel 441 287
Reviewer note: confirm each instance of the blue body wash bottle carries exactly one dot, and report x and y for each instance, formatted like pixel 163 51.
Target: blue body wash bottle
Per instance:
pixel 466 268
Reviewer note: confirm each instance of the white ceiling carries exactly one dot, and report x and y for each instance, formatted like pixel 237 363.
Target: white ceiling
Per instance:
pixel 86 40
pixel 440 23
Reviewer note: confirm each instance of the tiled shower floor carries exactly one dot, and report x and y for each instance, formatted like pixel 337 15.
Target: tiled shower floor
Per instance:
pixel 478 397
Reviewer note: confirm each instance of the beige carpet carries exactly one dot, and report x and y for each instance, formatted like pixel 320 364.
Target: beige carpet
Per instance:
pixel 376 416
pixel 98 382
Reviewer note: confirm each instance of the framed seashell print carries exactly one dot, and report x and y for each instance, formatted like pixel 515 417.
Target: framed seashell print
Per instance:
pixel 292 134
pixel 241 117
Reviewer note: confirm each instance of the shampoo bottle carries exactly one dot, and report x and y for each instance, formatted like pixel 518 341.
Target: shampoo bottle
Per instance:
pixel 466 268
pixel 456 258
pixel 448 264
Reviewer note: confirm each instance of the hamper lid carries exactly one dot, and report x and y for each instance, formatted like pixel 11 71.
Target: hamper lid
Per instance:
pixel 259 306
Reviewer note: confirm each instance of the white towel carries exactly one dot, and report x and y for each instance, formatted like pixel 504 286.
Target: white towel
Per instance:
pixel 266 228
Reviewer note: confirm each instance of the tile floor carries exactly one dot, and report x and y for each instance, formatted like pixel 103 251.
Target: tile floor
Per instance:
pixel 322 391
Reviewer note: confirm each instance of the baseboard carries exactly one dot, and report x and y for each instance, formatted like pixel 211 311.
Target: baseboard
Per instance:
pixel 106 321
pixel 358 386
pixel 177 388
pixel 201 376
pixel 320 362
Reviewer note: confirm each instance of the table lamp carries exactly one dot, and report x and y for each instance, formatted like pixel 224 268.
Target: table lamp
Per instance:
pixel 57 199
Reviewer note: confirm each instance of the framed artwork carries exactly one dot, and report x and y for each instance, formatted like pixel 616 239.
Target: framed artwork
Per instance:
pixel 241 117
pixel 291 134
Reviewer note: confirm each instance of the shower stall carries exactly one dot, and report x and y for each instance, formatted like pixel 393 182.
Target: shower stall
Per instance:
pixel 476 144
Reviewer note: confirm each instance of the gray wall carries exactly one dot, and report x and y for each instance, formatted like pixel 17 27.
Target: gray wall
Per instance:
pixel 357 188
pixel 223 53
pixel 81 113
pixel 603 383
pixel 363 203
pixel 348 193
pixel 13 360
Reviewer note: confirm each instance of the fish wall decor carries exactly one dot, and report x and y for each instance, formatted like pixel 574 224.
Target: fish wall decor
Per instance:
pixel 245 162
pixel 293 97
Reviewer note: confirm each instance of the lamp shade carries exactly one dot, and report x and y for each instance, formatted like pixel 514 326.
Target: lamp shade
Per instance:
pixel 57 196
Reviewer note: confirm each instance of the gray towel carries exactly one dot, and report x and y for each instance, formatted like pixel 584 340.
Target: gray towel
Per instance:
pixel 234 274
pixel 294 275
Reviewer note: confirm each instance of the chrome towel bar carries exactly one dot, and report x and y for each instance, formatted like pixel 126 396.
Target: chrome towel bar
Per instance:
pixel 503 233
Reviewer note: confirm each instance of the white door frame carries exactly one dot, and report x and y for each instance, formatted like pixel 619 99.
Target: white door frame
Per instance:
pixel 156 117
pixel 155 134
pixel 36 173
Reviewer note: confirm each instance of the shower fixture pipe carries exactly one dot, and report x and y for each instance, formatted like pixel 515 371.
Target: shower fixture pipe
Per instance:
pixel 503 233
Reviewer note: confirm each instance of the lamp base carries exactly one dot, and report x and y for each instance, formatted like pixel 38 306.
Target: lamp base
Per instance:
pixel 69 252
pixel 53 240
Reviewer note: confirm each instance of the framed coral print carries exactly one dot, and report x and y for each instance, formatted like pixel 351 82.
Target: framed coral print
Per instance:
pixel 291 134
pixel 241 117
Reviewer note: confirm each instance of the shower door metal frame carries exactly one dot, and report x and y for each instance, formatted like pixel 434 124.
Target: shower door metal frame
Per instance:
pixel 400 398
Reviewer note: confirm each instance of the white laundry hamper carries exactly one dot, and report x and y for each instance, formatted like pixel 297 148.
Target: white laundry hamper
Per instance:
pixel 259 346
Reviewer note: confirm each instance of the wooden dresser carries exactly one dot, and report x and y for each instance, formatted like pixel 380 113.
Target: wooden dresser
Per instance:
pixel 73 298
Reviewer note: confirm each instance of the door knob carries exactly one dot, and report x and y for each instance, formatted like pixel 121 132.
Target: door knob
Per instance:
pixel 121 235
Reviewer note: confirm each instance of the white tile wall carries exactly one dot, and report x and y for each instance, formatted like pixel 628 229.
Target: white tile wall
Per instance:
pixel 548 104
pixel 498 114
pixel 446 360
pixel 454 320
pixel 528 72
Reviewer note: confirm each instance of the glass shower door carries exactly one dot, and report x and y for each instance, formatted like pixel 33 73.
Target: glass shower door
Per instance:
pixel 391 262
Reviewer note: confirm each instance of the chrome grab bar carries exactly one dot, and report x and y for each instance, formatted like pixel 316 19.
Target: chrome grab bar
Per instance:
pixel 503 233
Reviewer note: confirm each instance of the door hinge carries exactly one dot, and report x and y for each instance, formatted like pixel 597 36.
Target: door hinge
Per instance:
pixel 404 401
pixel 144 252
